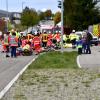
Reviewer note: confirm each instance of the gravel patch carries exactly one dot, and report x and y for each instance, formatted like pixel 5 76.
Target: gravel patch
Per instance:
pixel 56 84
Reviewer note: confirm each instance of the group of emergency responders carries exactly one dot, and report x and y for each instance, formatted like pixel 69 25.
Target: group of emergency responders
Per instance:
pixel 18 44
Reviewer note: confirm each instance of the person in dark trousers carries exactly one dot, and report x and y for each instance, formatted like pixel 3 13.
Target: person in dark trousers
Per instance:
pixel 44 39
pixel 88 43
pixel 13 44
pixel 73 37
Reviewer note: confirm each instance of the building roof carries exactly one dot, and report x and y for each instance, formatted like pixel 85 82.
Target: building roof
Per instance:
pixel 3 13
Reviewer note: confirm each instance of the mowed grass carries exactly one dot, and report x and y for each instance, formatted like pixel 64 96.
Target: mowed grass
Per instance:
pixel 55 59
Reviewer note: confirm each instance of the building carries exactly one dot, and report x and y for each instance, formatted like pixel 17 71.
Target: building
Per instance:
pixel 14 17
pixel 3 14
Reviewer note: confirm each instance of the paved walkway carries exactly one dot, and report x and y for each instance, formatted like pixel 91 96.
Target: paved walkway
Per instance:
pixel 91 60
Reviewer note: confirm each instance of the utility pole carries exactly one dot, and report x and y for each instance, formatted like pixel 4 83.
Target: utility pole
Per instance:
pixel 7 15
pixel 60 5
pixel 23 5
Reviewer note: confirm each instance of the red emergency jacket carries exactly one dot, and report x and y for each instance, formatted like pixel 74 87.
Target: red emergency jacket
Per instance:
pixel 36 41
pixel 57 37
pixel 13 40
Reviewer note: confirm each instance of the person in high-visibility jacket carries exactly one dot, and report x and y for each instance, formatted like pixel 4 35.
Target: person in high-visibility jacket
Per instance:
pixel 6 43
pixel 57 36
pixel 37 43
pixel 18 34
pixel 29 36
pixel 50 36
pixel 12 31
pixel 79 45
pixel 13 41
pixel 24 41
pixel 73 37
pixel 44 39
pixel 64 38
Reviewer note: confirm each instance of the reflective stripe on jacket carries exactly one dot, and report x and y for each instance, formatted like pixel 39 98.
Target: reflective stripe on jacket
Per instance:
pixel 79 46
pixel 45 37
pixel 6 41
pixel 13 41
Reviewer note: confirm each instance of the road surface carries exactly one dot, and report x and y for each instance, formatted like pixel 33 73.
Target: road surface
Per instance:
pixel 91 60
pixel 10 67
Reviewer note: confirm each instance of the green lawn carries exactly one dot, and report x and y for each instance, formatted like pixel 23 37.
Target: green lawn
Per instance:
pixel 55 59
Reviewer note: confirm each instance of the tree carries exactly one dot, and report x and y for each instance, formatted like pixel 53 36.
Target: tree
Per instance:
pixel 41 15
pixel 29 17
pixel 48 14
pixel 34 17
pixel 57 17
pixel 2 25
pixel 78 14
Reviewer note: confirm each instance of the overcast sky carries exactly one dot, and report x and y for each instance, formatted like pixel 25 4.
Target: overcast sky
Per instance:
pixel 16 5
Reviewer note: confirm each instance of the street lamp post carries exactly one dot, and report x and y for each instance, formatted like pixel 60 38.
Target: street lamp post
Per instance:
pixel 62 28
pixel 23 5
pixel 61 6
pixel 7 15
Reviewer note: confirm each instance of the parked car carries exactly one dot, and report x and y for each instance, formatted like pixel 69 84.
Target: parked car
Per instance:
pixel 95 40
pixel 79 33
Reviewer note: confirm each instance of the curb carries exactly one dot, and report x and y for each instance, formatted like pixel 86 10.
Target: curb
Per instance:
pixel 15 79
pixel 78 63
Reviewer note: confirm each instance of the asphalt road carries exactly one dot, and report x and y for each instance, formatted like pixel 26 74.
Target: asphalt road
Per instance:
pixel 10 67
pixel 91 60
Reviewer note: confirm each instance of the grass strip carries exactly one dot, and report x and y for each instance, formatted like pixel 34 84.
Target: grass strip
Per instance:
pixel 55 59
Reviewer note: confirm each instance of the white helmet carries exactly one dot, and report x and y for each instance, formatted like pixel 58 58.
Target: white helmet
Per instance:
pixel 44 31
pixel 12 30
pixel 49 32
pixel 57 31
pixel 35 33
pixel 73 31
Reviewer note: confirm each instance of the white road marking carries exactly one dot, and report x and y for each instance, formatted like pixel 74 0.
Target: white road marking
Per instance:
pixel 78 63
pixel 15 78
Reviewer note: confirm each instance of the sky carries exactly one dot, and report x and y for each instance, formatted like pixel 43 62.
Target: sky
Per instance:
pixel 16 5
